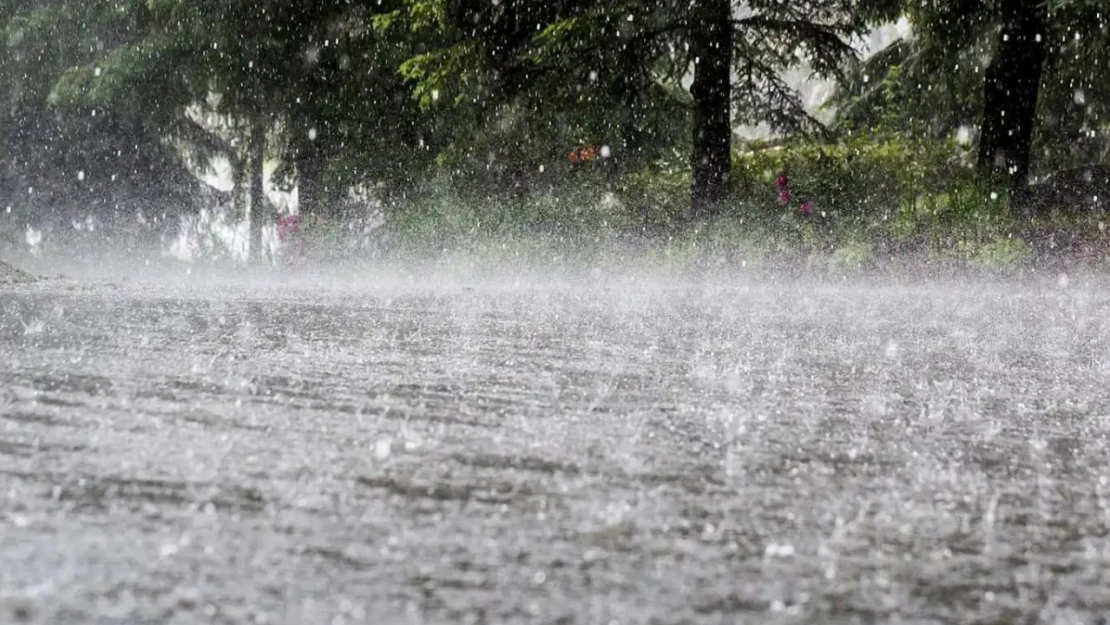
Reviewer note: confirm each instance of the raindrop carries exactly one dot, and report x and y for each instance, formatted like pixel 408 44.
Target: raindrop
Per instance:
pixel 774 550
pixel 383 448
pixel 33 238
pixel 891 350
pixel 36 326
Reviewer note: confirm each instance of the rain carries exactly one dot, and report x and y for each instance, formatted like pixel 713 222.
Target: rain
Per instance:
pixel 596 311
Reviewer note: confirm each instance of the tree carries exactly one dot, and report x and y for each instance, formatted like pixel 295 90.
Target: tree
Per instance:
pixel 1010 89
pixel 60 164
pixel 735 50
pixel 711 90
pixel 313 77
pixel 1073 116
pixel 178 53
pixel 257 195
pixel 1010 68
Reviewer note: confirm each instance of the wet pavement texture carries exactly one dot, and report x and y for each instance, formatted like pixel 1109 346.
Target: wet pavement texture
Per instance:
pixel 709 452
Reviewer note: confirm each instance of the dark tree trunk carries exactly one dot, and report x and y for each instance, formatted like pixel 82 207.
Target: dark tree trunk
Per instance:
pixel 257 196
pixel 240 190
pixel 309 162
pixel 711 159
pixel 1010 94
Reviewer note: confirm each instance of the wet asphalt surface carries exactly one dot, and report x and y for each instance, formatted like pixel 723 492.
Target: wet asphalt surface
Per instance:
pixel 707 452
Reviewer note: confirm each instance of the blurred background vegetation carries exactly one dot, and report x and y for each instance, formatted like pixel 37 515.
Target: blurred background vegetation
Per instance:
pixel 841 132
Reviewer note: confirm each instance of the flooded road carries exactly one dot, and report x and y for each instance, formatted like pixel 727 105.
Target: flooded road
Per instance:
pixel 514 453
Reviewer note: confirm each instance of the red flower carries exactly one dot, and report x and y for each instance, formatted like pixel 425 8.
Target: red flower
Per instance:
pixel 782 181
pixel 807 208
pixel 582 153
pixel 785 195
pixel 287 226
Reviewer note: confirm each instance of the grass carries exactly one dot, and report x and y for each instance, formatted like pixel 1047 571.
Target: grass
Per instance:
pixel 587 228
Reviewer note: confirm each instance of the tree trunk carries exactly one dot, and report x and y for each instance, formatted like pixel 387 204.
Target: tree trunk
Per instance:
pixel 240 181
pixel 1010 94
pixel 309 163
pixel 257 196
pixel 711 158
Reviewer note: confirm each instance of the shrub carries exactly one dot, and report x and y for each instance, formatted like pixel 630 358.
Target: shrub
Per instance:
pixel 1003 253
pixel 861 175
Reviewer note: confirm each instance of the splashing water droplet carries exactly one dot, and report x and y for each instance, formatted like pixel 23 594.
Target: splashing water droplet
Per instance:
pixel 383 448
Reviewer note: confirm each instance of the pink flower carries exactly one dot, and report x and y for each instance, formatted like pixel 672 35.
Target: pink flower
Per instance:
pixel 287 226
pixel 782 181
pixel 785 195
pixel 807 208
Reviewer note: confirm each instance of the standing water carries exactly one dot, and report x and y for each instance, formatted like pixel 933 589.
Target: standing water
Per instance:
pixel 625 452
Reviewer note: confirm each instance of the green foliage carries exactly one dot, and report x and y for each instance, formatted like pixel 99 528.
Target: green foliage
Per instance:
pixel 851 255
pixel 451 217
pixel 876 197
pixel 1074 105
pixel 1004 253
pixel 932 82
pixel 459 115
pixel 444 71
pixel 607 72
pixel 861 177
pixel 889 190
pixel 657 192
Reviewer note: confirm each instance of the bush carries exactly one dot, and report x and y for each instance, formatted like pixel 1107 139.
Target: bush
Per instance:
pixel 862 176
pixel 658 195
pixel 872 197
pixel 852 255
pixel 1003 253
